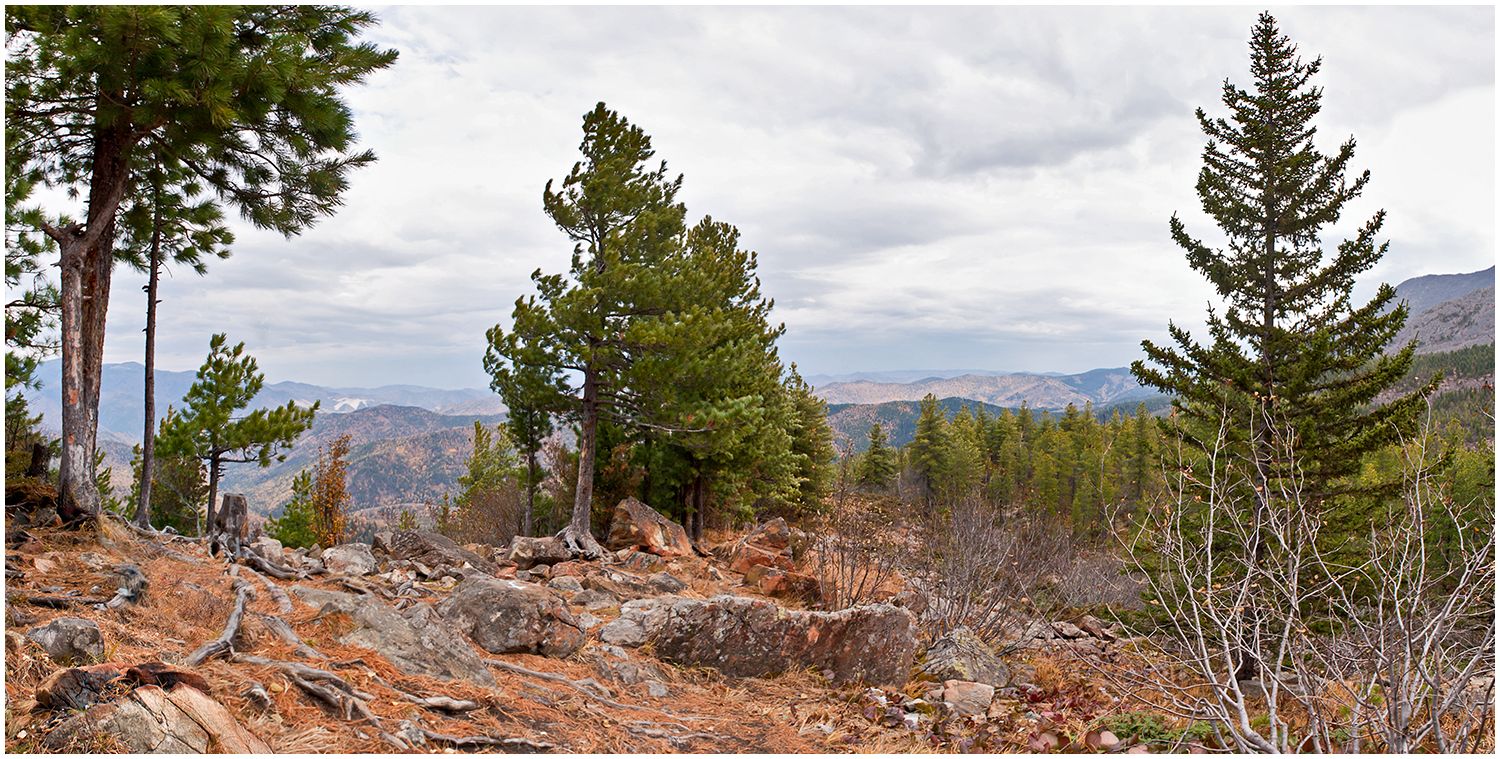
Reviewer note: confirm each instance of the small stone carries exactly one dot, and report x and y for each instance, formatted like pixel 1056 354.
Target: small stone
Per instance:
pixel 69 640
pixel 664 582
pixel 353 559
pixel 967 698
pixel 566 583
pixel 655 689
pixel 594 600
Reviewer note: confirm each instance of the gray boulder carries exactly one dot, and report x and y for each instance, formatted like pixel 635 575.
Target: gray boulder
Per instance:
pixel 509 617
pixel 150 720
pixel 416 640
pixel 529 552
pixel 350 559
pixel 433 550
pixel 961 655
pixel 69 640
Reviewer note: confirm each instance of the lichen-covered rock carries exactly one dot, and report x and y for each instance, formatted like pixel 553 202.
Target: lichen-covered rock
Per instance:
pixel 748 637
pixel 350 559
pixel 961 655
pixel 510 617
pixel 433 550
pixel 69 640
pixel 415 640
pixel 530 552
pixel 636 525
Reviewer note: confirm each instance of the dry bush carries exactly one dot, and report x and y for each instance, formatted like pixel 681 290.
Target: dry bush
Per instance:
pixel 1282 647
pixel 855 556
pixel 981 573
pixel 1099 578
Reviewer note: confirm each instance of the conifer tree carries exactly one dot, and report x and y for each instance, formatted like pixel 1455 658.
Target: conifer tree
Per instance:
pixel 1290 336
pixel 294 527
pixel 529 393
pixel 624 221
pixel 812 443
pixel 209 429
pixel 245 97
pixel 168 217
pixel 877 470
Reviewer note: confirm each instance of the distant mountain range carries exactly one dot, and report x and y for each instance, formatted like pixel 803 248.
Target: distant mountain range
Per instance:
pixel 1099 387
pixel 122 414
pixel 1422 293
pixel 409 444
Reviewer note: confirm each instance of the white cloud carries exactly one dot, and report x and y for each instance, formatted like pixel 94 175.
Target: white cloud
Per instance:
pixel 969 187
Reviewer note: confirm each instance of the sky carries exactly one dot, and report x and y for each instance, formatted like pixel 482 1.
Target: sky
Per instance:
pixel 978 188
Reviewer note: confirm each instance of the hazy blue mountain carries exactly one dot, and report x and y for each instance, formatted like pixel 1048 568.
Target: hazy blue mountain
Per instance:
pixel 1422 293
pixel 122 388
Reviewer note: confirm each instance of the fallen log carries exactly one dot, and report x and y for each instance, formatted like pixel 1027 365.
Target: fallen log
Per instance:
pixel 283 601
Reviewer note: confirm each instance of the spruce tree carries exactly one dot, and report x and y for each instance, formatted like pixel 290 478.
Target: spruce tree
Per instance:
pixel 294 527
pixel 1290 339
pixel 211 426
pixel 247 98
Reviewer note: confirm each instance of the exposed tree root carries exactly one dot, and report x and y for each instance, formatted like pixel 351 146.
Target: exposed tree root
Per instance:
pixel 66 602
pixel 257 562
pixel 508 745
pixel 581 688
pixel 224 644
pixel 581 543
pixel 284 631
pixel 283 601
pixel 441 703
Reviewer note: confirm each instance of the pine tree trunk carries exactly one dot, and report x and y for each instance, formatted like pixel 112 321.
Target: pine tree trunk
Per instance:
pixel 577 534
pixel 87 261
pixel 213 492
pixel 148 436
pixel 530 491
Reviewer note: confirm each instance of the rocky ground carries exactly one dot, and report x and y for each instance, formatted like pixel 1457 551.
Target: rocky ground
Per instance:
pixel 122 641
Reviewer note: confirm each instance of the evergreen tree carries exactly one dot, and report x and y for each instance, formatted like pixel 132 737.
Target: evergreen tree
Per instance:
pixel 812 444
pixel 716 371
pixel 1289 339
pixel 167 218
pixel 244 97
pixel 207 428
pixel 529 394
pixel 877 469
pixel 294 528
pixel 624 221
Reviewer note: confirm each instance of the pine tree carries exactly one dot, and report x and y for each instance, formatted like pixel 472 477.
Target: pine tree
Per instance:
pixel 812 444
pixel 623 219
pixel 529 394
pixel 877 469
pixel 167 218
pixel 294 527
pixel 244 97
pixel 1289 339
pixel 207 428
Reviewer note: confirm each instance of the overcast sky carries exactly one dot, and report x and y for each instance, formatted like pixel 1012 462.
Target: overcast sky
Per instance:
pixel 982 188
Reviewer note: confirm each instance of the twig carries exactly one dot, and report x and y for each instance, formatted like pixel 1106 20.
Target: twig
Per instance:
pixel 224 644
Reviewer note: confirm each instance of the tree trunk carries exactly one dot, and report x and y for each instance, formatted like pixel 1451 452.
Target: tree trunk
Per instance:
pixel 530 491
pixel 700 505
pixel 213 491
pixel 577 534
pixel 87 261
pixel 148 436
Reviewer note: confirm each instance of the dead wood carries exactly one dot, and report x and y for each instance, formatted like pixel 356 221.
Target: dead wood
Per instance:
pixel 224 644
pixel 283 601
pixel 284 631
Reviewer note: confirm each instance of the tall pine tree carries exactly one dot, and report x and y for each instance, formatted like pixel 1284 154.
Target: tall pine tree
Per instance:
pixel 1290 338
pixel 247 98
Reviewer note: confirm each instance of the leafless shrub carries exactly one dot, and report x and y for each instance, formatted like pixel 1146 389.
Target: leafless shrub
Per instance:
pixel 854 548
pixel 855 558
pixel 980 573
pixel 1099 578
pixel 1282 648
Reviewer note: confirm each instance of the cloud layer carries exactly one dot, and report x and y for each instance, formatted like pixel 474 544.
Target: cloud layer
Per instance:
pixel 979 188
